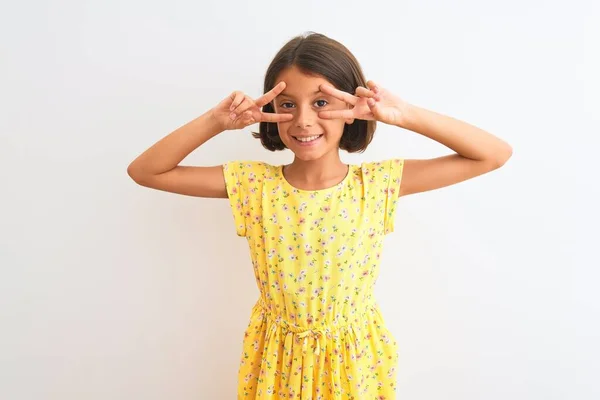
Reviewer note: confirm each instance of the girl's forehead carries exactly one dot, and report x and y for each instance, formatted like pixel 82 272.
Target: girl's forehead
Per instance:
pixel 295 79
pixel 299 86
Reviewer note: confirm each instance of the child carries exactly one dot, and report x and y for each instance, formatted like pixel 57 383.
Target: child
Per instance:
pixel 315 227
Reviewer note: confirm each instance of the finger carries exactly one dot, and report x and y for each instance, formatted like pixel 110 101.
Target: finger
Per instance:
pixel 338 94
pixel 243 106
pixel 247 117
pixel 373 86
pixel 237 98
pixel 344 114
pixel 270 95
pixel 364 92
pixel 373 105
pixel 272 117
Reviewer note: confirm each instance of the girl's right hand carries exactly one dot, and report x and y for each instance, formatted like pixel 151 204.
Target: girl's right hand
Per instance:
pixel 238 110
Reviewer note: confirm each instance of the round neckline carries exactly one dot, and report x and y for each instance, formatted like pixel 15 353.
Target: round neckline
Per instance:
pixel 337 185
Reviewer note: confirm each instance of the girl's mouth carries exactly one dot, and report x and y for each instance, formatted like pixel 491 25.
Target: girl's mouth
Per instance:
pixel 307 140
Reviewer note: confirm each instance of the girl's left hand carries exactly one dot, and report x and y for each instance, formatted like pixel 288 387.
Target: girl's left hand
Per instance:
pixel 372 103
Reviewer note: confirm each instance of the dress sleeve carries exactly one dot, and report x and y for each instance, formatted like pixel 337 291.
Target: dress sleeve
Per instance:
pixel 390 185
pixel 235 174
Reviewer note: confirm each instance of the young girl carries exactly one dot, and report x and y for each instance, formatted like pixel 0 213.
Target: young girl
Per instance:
pixel 315 227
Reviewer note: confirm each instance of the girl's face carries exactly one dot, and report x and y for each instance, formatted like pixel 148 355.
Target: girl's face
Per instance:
pixel 307 135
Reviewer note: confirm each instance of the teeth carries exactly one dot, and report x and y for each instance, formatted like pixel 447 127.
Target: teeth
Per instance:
pixel 308 139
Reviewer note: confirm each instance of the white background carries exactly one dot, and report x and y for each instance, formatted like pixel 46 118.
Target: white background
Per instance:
pixel 109 290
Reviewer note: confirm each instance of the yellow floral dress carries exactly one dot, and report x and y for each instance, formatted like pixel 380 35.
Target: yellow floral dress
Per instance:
pixel 316 331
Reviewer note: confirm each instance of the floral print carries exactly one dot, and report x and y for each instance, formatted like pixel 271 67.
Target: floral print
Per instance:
pixel 316 331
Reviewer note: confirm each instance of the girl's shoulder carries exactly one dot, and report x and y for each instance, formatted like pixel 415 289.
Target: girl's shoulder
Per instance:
pixel 245 167
pixel 382 169
pixel 248 172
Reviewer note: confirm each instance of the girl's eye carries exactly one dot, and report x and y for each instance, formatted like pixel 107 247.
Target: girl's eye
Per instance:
pixel 323 102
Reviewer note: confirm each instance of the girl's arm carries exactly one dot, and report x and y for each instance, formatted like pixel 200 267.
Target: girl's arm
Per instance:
pixel 478 151
pixel 158 168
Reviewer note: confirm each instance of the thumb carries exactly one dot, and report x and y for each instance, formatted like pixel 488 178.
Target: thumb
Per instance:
pixel 373 106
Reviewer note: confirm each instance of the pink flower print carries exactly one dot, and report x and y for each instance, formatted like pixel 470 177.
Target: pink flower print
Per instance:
pixel 308 250
pixel 285 207
pixel 251 177
pixel 301 290
pixel 234 190
pixel 302 275
pixel 341 251
pixel 302 207
pixel 392 371
pixel 326 278
pixel 301 220
pixel 326 209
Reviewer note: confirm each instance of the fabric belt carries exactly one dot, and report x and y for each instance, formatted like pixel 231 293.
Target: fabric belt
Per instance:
pixel 319 334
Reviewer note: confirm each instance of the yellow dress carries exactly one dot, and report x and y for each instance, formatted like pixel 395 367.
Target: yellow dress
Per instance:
pixel 316 331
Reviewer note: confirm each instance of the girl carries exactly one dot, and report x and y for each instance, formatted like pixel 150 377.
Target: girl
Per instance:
pixel 315 227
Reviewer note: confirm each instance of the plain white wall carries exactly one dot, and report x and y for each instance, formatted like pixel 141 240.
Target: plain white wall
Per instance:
pixel 113 291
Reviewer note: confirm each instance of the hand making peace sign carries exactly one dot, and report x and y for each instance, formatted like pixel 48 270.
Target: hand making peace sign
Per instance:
pixel 374 103
pixel 238 110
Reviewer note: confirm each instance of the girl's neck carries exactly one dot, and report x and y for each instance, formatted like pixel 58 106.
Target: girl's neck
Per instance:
pixel 315 174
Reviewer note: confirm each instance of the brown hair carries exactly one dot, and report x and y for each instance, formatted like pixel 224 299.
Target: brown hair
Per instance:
pixel 317 54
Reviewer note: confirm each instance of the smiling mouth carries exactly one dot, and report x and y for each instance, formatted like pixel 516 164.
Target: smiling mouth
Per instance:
pixel 307 139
